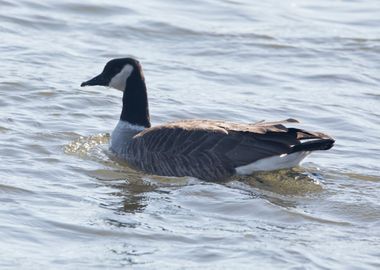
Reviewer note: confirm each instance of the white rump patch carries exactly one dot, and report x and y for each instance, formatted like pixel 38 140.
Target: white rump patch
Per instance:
pixel 119 81
pixel 273 163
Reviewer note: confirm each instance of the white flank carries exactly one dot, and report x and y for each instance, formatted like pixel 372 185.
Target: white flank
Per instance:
pixel 119 81
pixel 273 163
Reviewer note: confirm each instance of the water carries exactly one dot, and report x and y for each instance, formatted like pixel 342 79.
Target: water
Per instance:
pixel 66 205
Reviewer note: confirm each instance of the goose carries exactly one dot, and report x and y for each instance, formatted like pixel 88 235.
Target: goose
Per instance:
pixel 209 150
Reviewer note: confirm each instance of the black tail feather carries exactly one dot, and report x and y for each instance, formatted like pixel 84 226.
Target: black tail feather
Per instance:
pixel 323 144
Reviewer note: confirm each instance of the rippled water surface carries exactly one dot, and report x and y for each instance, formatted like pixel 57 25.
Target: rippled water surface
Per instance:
pixel 64 204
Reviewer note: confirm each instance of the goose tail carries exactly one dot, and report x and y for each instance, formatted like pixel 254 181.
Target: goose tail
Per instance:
pixel 321 144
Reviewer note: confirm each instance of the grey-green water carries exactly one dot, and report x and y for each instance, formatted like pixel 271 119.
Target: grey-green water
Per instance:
pixel 64 204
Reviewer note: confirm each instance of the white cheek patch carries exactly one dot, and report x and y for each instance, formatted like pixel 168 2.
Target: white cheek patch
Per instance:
pixel 119 81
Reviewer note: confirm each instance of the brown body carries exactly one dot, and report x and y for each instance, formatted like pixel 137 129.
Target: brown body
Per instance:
pixel 212 150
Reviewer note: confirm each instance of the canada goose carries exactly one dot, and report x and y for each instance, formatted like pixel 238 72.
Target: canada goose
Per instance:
pixel 205 149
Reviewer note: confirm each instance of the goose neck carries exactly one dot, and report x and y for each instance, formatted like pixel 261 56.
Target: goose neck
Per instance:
pixel 135 101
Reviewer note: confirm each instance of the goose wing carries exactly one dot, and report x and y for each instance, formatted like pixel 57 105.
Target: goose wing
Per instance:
pixel 213 149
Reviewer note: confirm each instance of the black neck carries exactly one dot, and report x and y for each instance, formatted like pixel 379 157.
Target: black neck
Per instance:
pixel 135 101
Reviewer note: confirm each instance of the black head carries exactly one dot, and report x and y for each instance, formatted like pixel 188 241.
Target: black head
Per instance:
pixel 125 74
pixel 116 73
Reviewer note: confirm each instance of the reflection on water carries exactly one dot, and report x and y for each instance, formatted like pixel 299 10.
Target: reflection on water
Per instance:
pixel 294 181
pixel 134 188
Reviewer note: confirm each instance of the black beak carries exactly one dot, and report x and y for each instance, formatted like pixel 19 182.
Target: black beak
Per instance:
pixel 98 80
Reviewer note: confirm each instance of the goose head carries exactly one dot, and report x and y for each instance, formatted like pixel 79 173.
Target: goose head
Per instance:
pixel 116 74
pixel 125 74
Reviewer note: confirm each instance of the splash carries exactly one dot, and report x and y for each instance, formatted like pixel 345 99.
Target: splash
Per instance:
pixel 91 147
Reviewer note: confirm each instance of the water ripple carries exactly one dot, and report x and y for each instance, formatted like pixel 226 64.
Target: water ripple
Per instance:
pixel 67 202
